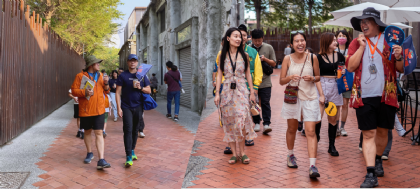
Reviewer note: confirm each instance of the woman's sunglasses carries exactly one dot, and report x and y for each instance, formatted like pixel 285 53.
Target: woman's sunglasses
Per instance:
pixel 295 32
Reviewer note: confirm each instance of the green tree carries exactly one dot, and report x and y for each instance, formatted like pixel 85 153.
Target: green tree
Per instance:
pixel 259 7
pixel 110 57
pixel 84 24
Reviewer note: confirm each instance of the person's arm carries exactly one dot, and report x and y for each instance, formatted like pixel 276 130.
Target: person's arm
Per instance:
pixel 355 58
pixel 118 99
pixel 271 59
pixel 399 65
pixel 284 79
pixel 75 87
pixel 146 89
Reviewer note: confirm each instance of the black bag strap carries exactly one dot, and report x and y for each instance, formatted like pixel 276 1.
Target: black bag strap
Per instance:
pixel 177 81
pixel 312 61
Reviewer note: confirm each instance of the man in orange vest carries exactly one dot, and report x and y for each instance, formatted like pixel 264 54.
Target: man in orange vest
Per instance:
pixel 92 111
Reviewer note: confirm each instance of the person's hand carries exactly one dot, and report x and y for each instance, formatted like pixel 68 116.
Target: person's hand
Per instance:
pixel 217 99
pixel 294 77
pixel 397 51
pixel 362 40
pixel 308 78
pixel 138 85
pixel 120 113
pixel 106 79
pixel 88 92
pixel 113 86
pixel 214 84
pixel 76 100
pixel 321 99
pixel 110 110
pixel 262 57
pixel 252 98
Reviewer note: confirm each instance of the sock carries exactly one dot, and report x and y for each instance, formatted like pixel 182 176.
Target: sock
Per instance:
pixel 312 162
pixel 378 157
pixel 371 170
pixel 290 152
pixel 342 124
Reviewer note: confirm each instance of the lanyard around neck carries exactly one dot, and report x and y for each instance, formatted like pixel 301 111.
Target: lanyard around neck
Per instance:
pixel 372 51
pixel 95 76
pixel 231 62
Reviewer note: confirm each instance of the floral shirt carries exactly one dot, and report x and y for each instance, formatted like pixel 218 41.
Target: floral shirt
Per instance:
pixel 389 94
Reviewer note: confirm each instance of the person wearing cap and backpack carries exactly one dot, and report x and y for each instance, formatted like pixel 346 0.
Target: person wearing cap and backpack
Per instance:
pixel 130 105
pixel 374 89
pixel 92 110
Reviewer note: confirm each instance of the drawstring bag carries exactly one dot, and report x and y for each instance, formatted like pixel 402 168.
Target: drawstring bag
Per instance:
pixel 345 82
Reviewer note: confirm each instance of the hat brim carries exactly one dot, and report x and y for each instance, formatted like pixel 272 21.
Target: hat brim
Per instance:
pixel 355 22
pixel 94 62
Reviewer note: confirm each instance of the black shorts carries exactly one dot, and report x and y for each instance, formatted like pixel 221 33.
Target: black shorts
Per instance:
pixel 93 122
pixel 76 111
pixel 375 114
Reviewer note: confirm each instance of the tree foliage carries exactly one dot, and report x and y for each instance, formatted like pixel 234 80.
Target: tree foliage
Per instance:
pixel 82 23
pixel 298 12
pixel 110 57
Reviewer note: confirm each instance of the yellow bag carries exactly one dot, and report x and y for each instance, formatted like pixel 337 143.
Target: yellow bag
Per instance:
pixel 330 109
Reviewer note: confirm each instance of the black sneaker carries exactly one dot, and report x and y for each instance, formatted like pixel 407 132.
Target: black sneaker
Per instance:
pixel 102 164
pixel 300 126
pixel 168 116
pixel 82 135
pixel 88 158
pixel 303 132
pixel 313 172
pixel 370 181
pixel 176 118
pixel 379 170
pixel 78 134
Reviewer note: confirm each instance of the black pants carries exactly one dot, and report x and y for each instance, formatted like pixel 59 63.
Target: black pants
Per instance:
pixel 265 95
pixel 132 118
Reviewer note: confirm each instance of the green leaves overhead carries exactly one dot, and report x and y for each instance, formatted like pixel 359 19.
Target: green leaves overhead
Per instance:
pixel 79 22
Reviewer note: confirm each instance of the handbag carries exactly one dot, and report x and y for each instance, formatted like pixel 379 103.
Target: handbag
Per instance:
pixel 290 94
pixel 255 109
pixel 345 83
pixel 267 69
pixel 148 102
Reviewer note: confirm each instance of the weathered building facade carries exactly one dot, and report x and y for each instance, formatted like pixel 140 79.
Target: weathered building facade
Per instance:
pixel 188 33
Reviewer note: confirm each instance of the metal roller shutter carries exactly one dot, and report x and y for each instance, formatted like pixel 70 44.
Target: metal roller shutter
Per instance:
pixel 186 71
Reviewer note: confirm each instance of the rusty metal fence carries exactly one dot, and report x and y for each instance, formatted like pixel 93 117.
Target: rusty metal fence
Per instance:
pixel 37 69
pixel 280 38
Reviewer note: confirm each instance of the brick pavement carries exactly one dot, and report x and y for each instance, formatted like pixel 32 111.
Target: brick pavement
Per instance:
pixel 163 157
pixel 268 157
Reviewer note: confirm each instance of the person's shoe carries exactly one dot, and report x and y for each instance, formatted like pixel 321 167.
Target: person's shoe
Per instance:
pixel 379 170
pixel 78 134
pixel 227 150
pixel 257 127
pixel 401 131
pixel 343 132
pixel 102 164
pixel 384 157
pixel 361 149
pixel 104 133
pixel 291 161
pixel 168 116
pixel 303 132
pixel 267 129
pixel 332 150
pixel 88 158
pixel 133 155
pixel 82 135
pixel 313 172
pixel 129 161
pixel 370 181
pixel 338 132
pixel 115 119
pixel 300 125
pixel 141 135
pixel 176 118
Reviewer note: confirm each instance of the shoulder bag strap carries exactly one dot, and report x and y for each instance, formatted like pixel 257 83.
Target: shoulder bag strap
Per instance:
pixel 176 80
pixel 302 68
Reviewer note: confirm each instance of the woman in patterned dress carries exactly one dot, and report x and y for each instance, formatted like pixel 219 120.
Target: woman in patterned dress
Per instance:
pixel 234 101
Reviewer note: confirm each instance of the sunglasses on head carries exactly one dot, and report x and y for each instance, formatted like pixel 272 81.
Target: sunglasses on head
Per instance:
pixel 297 31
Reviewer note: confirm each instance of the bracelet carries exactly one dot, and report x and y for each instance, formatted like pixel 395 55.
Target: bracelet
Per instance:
pixel 314 79
pixel 399 59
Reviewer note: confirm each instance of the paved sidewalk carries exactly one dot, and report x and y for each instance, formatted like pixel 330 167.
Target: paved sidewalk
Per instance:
pixel 268 157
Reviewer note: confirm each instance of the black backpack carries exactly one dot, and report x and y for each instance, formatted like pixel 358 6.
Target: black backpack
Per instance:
pixel 267 69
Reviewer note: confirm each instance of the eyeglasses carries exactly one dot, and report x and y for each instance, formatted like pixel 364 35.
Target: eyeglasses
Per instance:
pixel 367 22
pixel 295 32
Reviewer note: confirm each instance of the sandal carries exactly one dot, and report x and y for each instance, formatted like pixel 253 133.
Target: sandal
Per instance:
pixel 244 157
pixel 227 150
pixel 249 142
pixel 234 159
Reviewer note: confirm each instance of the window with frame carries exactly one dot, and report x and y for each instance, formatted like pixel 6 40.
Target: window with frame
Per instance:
pixel 162 21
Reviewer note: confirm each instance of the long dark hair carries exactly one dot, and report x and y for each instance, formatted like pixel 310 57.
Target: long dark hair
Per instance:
pixel 226 47
pixel 112 74
pixel 293 36
pixel 326 39
pixel 344 32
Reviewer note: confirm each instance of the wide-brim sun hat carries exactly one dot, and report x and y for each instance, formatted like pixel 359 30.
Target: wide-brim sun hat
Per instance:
pixel 91 59
pixel 369 12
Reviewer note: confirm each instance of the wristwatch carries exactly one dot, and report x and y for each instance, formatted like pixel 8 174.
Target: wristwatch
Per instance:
pixel 401 58
pixel 314 79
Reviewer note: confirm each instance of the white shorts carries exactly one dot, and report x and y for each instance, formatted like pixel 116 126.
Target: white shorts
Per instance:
pixel 308 108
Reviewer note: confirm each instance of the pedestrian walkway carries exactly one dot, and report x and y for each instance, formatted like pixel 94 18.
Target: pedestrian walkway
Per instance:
pixel 268 157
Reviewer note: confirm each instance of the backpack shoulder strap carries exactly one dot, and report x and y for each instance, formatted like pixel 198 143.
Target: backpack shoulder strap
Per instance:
pixel 312 61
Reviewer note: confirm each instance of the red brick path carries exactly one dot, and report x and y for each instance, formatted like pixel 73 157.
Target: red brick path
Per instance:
pixel 163 157
pixel 268 157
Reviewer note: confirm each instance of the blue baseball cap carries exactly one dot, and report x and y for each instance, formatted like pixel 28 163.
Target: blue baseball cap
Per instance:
pixel 132 56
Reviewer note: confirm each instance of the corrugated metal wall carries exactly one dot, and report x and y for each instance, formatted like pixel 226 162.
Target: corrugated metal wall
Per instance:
pixel 36 70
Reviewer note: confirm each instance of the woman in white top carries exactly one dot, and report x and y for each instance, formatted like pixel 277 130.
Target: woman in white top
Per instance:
pixel 301 69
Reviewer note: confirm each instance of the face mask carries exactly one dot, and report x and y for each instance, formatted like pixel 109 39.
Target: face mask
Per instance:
pixel 342 40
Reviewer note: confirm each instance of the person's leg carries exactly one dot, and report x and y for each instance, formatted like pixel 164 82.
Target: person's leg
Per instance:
pixel 318 124
pixel 292 125
pixel 369 147
pixel 265 95
pixel 242 149
pixel 361 140
pixel 100 143
pixel 137 120
pixel 332 134
pixel 311 139
pixel 128 129
pixel 381 140
pixel 169 97
pixel 233 148
pixel 88 140
pixel 114 103
pixel 388 146
pixel 177 96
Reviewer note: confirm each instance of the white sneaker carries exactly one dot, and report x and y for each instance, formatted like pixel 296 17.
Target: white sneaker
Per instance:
pixel 338 132
pixel 257 127
pixel 115 119
pixel 400 132
pixel 343 132
pixel 384 157
pixel 141 135
pixel 361 149
pixel 267 129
